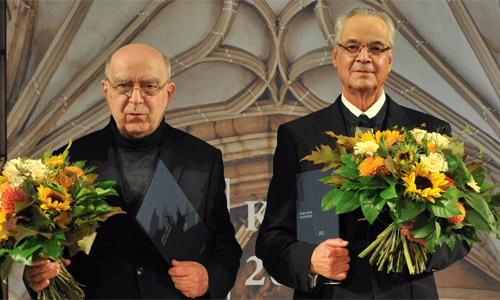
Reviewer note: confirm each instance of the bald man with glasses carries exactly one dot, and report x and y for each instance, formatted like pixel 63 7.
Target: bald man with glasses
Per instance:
pixel 363 56
pixel 123 262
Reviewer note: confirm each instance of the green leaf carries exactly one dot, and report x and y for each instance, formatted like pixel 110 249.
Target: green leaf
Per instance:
pixel 106 192
pixel 475 219
pixel 23 253
pixel 331 199
pixel 52 248
pixel 444 208
pixel 495 199
pixel 432 240
pixel 458 171
pixel 348 173
pixel 353 185
pixel 371 206
pixel 408 210
pixel 77 211
pixel 477 202
pixel 5 268
pixel 348 203
pixel 452 194
pixel 389 192
pixel 423 227
pixel 486 187
pixel 479 175
pixel 24 232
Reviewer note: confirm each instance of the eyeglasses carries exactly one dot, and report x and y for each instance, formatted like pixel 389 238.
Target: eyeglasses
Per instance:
pixel 374 49
pixel 146 89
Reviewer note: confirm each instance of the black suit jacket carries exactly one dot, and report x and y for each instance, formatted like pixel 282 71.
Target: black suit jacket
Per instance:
pixel 123 263
pixel 288 259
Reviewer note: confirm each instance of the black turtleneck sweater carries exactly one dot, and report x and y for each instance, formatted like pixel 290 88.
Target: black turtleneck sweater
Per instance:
pixel 137 158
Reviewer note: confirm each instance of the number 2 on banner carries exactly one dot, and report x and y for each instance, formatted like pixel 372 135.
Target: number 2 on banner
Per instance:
pixel 258 268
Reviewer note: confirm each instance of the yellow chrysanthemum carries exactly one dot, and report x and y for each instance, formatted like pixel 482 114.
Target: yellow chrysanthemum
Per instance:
pixel 55 160
pixel 54 200
pixel 371 166
pixel 422 183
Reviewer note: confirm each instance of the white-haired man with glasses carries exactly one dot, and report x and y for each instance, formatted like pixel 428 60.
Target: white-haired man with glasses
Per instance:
pixel 363 56
pixel 123 263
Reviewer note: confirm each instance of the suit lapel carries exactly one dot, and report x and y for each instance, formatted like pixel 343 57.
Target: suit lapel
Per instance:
pixel 171 152
pixel 397 116
pixel 331 120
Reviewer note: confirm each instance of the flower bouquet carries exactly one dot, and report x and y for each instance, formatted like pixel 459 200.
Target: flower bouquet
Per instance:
pixel 417 177
pixel 48 205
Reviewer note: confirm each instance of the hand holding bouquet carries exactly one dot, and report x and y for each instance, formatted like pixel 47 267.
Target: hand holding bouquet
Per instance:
pixel 414 176
pixel 47 205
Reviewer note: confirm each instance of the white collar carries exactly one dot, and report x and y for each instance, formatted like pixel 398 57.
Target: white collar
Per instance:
pixel 371 112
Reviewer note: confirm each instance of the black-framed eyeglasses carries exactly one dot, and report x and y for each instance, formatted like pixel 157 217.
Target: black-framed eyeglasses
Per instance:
pixel 146 89
pixel 355 48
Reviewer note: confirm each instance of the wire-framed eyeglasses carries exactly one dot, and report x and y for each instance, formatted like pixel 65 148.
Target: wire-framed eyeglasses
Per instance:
pixel 146 89
pixel 355 48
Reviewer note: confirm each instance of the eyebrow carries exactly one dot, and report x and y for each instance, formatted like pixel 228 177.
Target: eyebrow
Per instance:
pixel 145 80
pixel 354 41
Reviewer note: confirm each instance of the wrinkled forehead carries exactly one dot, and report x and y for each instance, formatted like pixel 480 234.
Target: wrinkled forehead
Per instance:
pixel 365 29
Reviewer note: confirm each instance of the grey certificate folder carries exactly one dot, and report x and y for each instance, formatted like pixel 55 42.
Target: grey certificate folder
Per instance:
pixel 314 225
pixel 171 221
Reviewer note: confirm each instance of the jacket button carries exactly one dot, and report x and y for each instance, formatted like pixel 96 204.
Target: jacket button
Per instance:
pixel 139 271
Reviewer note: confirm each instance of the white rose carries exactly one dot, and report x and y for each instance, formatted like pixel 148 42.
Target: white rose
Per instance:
pixel 38 170
pixel 435 162
pixel 13 171
pixel 440 140
pixel 418 134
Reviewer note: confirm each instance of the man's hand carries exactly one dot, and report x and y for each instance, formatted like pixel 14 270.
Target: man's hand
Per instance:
pixel 331 259
pixel 189 277
pixel 407 231
pixel 39 274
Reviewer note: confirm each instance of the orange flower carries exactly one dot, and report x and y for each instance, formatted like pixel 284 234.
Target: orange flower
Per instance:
pixel 9 196
pixel 460 217
pixel 431 147
pixel 447 184
pixel 69 176
pixel 392 137
pixel 371 166
pixel 4 186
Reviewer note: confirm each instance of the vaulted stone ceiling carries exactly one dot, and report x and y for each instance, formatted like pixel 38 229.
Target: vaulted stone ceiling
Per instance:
pixel 238 58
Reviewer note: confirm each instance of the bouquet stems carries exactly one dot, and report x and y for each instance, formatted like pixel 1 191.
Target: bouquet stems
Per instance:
pixel 394 250
pixel 63 286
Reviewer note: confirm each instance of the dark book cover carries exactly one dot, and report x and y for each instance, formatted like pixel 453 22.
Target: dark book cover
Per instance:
pixel 171 221
pixel 314 225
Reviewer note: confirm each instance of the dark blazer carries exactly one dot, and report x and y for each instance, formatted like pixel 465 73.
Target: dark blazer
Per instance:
pixel 288 259
pixel 123 263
